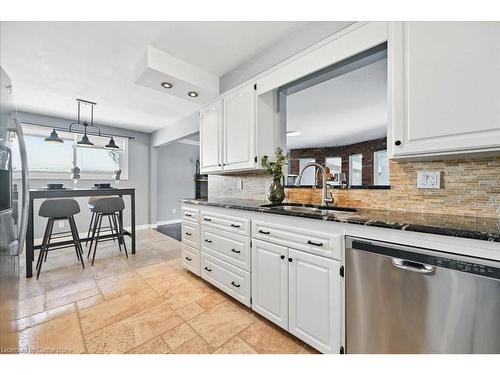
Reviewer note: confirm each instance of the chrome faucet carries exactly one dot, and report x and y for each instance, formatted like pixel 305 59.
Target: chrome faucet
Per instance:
pixel 325 201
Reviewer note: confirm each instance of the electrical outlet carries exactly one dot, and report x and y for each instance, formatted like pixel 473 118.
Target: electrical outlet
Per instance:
pixel 60 224
pixel 240 185
pixel 429 180
pixel 173 210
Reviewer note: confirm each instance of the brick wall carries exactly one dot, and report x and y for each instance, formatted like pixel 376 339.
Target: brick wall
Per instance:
pixel 321 153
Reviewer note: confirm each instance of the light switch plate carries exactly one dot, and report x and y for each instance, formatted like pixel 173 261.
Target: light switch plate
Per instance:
pixel 429 180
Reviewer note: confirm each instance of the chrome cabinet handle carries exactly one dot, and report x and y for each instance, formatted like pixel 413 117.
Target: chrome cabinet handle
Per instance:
pixel 314 243
pixel 408 265
pixel 187 234
pixel 208 269
pixel 188 259
pixel 236 251
pixel 234 284
pixel 263 231
pixel 208 241
pixel 235 225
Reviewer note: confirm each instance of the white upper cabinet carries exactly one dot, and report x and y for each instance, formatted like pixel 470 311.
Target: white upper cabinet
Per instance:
pixel 444 85
pixel 211 137
pixel 239 129
pixel 315 300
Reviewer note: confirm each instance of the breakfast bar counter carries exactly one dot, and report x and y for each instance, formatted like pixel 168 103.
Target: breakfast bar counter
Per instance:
pixel 46 193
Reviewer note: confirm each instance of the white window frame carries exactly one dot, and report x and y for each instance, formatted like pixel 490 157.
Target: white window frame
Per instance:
pixel 376 166
pixel 30 130
pixel 351 169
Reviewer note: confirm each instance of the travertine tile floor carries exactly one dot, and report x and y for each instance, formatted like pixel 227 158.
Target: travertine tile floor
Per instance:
pixel 146 304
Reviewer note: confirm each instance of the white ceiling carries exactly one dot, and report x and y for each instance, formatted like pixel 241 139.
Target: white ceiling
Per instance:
pixel 52 63
pixel 347 109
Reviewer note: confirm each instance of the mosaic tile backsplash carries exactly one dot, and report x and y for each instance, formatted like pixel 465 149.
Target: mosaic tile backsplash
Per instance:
pixel 469 187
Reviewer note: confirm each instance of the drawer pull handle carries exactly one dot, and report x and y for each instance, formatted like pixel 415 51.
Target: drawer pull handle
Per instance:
pixel 263 231
pixel 235 225
pixel 208 269
pixel 187 234
pixel 236 251
pixel 314 243
pixel 234 284
pixel 208 241
pixel 282 257
pixel 188 215
pixel 188 259
pixel 207 219
pixel 290 260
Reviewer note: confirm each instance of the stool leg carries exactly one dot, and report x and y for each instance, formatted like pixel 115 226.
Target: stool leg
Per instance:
pixel 76 240
pixel 48 240
pixel 90 228
pixel 44 249
pixel 94 230
pixel 97 238
pixel 120 223
pixel 111 228
pixel 113 218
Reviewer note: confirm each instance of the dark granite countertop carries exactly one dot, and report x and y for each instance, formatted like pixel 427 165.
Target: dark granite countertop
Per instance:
pixel 478 228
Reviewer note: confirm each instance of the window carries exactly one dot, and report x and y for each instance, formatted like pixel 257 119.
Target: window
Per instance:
pixel 356 169
pixel 309 176
pixel 380 168
pixel 49 160
pixel 335 165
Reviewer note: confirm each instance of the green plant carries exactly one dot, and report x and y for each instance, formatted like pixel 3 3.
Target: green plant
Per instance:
pixel 275 168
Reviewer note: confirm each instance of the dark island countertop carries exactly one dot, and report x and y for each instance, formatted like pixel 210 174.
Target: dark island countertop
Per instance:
pixel 478 228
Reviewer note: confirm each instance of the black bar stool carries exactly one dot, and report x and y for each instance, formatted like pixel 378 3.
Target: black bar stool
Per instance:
pixel 58 209
pixel 91 204
pixel 110 207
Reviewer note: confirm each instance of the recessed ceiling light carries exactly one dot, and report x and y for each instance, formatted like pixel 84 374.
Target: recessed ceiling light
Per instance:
pixel 166 85
pixel 192 94
pixel 293 133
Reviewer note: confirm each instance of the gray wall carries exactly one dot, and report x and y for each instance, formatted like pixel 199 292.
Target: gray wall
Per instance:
pixel 304 37
pixel 176 166
pixel 139 175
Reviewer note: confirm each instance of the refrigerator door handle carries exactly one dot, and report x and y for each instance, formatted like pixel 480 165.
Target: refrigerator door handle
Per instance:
pixel 23 226
pixel 412 266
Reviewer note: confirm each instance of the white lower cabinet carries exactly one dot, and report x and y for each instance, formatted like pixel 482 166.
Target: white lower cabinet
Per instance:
pixel 300 292
pixel 315 300
pixel 191 259
pixel 270 282
pixel 230 279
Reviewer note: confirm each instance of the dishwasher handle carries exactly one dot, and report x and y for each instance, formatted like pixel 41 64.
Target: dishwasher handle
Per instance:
pixel 409 265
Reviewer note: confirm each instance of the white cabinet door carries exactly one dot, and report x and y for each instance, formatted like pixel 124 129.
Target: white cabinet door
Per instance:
pixel 211 138
pixel 239 129
pixel 270 282
pixel 444 85
pixel 315 300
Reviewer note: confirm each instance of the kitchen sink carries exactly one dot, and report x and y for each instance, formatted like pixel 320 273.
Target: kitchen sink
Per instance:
pixel 308 208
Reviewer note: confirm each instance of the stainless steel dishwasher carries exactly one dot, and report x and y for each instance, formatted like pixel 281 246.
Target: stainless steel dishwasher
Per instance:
pixel 402 299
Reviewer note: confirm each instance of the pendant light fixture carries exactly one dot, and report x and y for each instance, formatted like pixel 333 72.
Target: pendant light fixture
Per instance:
pixel 53 137
pixel 111 144
pixel 84 141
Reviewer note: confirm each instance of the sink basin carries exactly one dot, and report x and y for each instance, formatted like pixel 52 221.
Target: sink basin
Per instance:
pixel 309 208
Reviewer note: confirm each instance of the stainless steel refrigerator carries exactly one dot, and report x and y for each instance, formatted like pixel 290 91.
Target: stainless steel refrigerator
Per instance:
pixel 13 195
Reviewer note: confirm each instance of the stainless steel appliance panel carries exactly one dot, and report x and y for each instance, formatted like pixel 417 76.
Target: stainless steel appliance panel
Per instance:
pixel 410 300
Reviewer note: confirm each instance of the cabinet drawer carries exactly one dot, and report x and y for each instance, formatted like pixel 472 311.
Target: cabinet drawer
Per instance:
pixel 325 244
pixel 191 214
pixel 191 259
pixel 230 247
pixel 191 234
pixel 227 223
pixel 228 278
